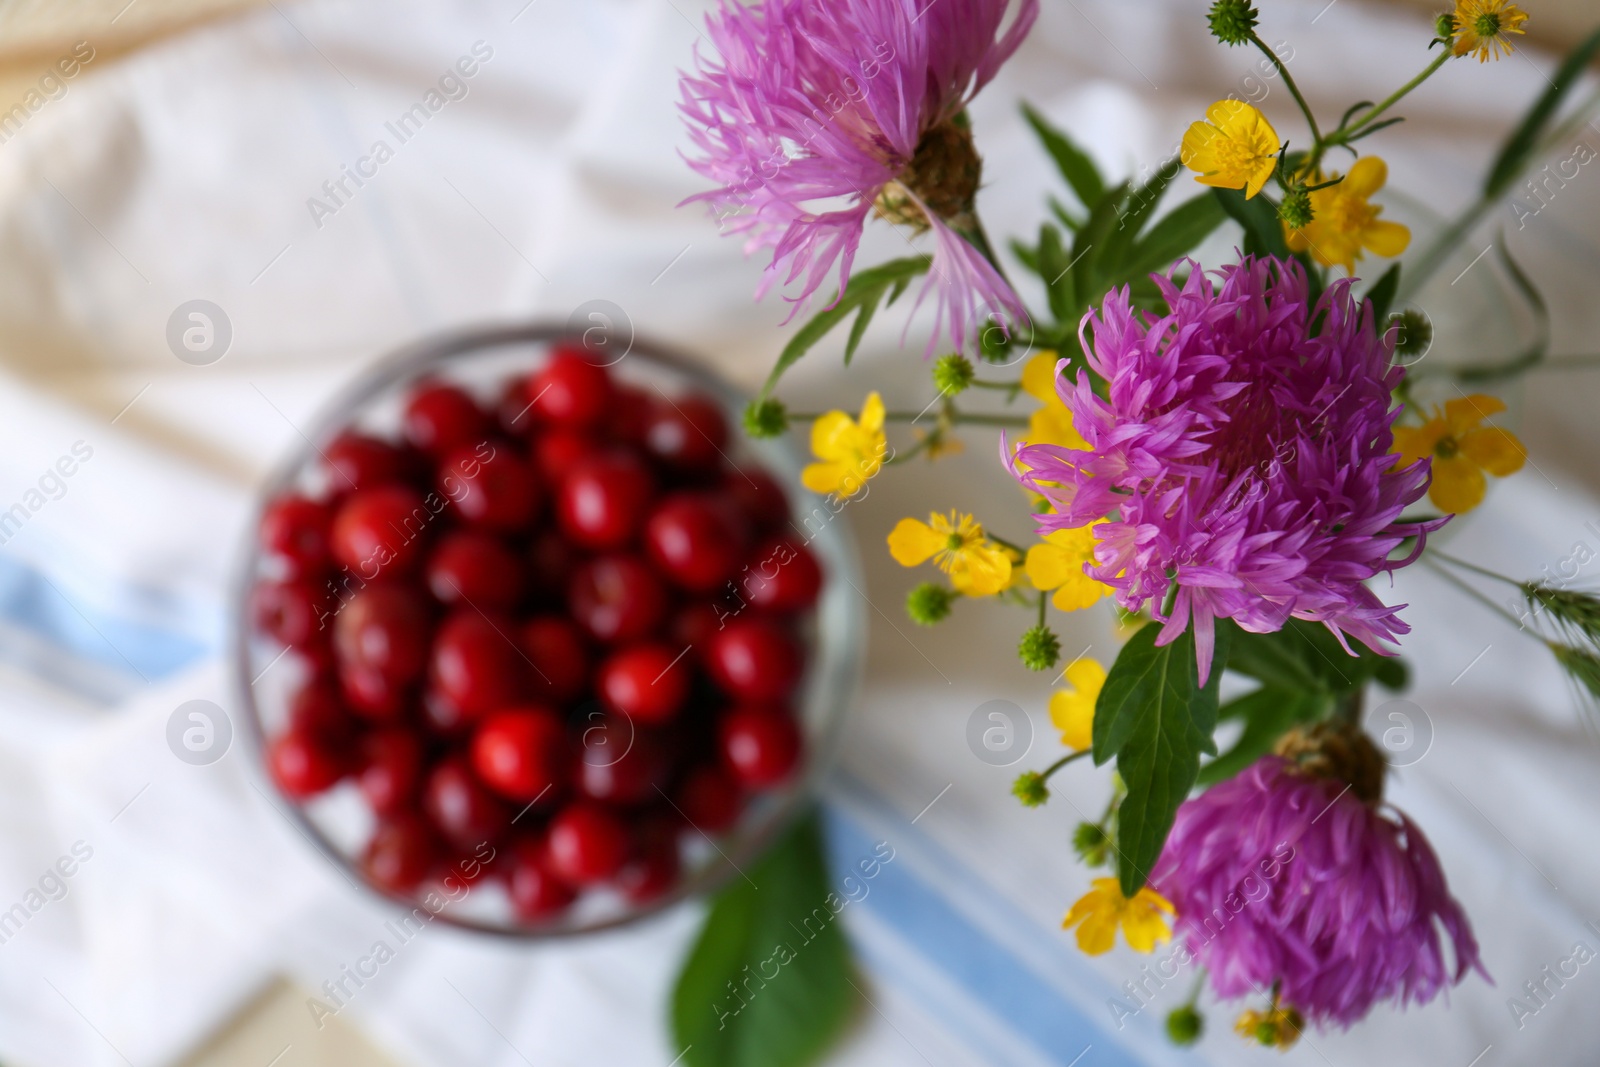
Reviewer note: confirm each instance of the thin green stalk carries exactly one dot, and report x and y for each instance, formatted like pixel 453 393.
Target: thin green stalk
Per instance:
pixel 1341 136
pixel 1473 567
pixel 1010 387
pixel 1011 421
pixel 1042 606
pixel 1288 81
pixel 1045 774
pixel 1474 594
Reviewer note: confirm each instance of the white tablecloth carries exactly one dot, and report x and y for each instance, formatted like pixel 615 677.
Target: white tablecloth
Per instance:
pixel 185 173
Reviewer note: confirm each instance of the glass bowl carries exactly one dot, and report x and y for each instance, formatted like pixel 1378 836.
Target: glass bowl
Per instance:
pixel 480 360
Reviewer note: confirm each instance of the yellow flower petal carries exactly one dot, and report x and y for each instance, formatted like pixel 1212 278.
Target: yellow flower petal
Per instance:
pixel 1458 485
pixel 1052 425
pixel 912 543
pixel 1039 377
pixel 1412 443
pixel 1098 934
pixel 1144 926
pixel 831 435
pixel 1464 414
pixel 822 477
pixel 981 570
pixel 1072 710
pixel 1366 176
pixel 1495 450
pixel 1236 148
pixel 1387 239
pixel 872 414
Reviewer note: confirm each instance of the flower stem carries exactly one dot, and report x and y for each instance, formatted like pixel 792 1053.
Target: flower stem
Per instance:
pixel 1041 607
pixel 1294 90
pixel 1474 594
pixel 1010 387
pixel 1474 568
pixel 1341 136
pixel 1045 774
pixel 1013 421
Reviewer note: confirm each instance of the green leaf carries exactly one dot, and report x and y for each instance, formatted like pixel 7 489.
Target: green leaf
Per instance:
pixel 865 289
pixel 1303 656
pixel 1263 233
pixel 1268 713
pixel 1093 244
pixel 1054 270
pixel 1142 201
pixel 1174 235
pixel 1381 296
pixel 1154 716
pixel 1518 151
pixel 796 995
pixel 1073 162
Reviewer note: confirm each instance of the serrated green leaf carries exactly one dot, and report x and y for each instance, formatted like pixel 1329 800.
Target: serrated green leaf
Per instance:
pixel 1054 269
pixel 1073 162
pixel 796 995
pixel 865 287
pixel 1517 152
pixel 858 329
pixel 1159 719
pixel 1268 713
pixel 1174 235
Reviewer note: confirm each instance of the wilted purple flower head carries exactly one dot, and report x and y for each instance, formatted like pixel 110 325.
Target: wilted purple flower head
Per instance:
pixel 813 115
pixel 1290 876
pixel 1242 446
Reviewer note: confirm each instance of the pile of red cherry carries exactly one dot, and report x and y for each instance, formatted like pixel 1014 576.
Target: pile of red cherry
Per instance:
pixel 561 632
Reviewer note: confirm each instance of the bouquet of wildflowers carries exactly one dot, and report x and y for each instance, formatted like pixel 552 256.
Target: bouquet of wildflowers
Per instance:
pixel 1228 454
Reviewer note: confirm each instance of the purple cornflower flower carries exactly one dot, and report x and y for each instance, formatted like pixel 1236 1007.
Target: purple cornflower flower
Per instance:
pixel 1243 449
pixel 815 115
pixel 1290 878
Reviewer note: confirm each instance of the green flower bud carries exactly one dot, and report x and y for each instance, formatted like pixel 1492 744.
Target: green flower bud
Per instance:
pixel 1030 789
pixel 1267 1033
pixel 1295 211
pixel 765 418
pixel 1415 333
pixel 1185 1025
pixel 929 604
pixel 952 374
pixel 1091 843
pixel 1232 21
pixel 1444 24
pixel 1040 649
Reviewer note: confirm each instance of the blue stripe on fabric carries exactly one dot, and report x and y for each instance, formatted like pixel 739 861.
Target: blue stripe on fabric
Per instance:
pixel 994 978
pixel 31 601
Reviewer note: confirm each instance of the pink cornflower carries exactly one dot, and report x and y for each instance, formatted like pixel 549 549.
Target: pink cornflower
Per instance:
pixel 815 115
pixel 1295 877
pixel 1242 452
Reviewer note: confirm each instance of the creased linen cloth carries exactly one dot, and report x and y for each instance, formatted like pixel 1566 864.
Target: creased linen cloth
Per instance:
pixel 216 167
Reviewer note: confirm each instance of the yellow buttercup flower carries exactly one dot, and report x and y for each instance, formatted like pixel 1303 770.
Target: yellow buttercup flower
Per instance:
pixel 1235 148
pixel 851 451
pixel 1463 450
pixel 955 543
pixel 1278 1027
pixel 1057 563
pixel 1344 221
pixel 1102 909
pixel 1051 424
pixel 1072 710
pixel 1481 26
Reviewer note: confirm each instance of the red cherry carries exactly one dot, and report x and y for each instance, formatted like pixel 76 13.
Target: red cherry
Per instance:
pixel 303 764
pixel 521 752
pixel 709 799
pixel 291 613
pixel 626 775
pixel 696 540
pixel 475 665
pixel 630 412
pixel 688 433
pixel 759 496
pixel 317 710
pixel 476 569
pixel 372 695
pixel 782 576
pixel 652 869
pixel 465 812
pixel 754 659
pixel 586 844
pixel 470 868
pixel 694 625
pixel 379 531
pixel 759 745
pixel 558 450
pixel 441 418
pixel 559 655
pixel 391 768
pixel 551 562
pixel 604 500
pixel 648 682
pixel 491 486
pixel 384 628
pixel 536 893
pixel 569 389
pixel 513 412
pixel 356 461
pixel 617 598
pixel 296 531
pixel 400 854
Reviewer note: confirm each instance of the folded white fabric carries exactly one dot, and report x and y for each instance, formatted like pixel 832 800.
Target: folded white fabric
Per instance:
pixel 217 166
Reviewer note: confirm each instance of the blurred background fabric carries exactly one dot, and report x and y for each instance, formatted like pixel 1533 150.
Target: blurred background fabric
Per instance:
pixel 180 161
